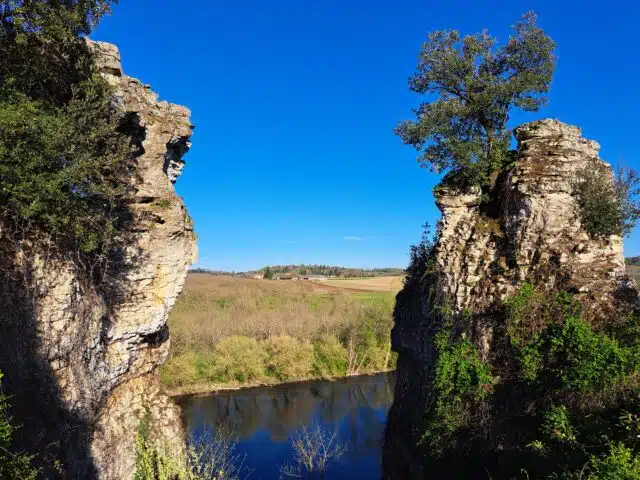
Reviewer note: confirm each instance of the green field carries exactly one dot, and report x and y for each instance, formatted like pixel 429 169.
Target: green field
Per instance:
pixel 230 331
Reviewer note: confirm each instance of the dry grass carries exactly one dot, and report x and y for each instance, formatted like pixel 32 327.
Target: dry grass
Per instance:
pixel 214 310
pixel 635 272
pixel 373 284
pixel 213 307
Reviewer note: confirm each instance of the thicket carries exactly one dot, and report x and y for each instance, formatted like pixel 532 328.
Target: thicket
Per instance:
pixel 361 348
pixel 562 385
pixel 65 159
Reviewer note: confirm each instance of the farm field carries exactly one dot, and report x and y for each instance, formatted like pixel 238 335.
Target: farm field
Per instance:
pixel 373 284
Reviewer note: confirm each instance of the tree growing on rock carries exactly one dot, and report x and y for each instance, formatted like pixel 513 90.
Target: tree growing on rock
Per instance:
pixel 463 132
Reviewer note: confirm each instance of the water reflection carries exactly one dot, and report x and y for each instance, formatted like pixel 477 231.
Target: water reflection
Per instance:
pixel 265 419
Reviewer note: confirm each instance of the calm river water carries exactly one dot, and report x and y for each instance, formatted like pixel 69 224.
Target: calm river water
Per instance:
pixel 265 419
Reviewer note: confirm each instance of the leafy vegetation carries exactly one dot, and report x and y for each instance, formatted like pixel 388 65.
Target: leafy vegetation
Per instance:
pixel 590 377
pixel 207 459
pixel 608 206
pixel 461 378
pixel 65 164
pixel 476 84
pixel 565 386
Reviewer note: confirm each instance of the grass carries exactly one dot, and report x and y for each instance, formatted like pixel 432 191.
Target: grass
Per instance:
pixel 635 272
pixel 231 331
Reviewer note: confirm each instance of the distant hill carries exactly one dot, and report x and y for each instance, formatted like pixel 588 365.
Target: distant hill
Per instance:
pixel 333 271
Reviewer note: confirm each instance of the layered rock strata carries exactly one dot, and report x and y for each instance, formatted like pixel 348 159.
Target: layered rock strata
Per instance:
pixel 82 365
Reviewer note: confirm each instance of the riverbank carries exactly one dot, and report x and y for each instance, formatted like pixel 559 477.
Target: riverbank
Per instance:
pixel 205 389
pixel 230 333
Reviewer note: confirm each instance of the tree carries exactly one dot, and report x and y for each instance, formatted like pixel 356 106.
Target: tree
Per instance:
pixel 65 161
pixel 463 132
pixel 268 274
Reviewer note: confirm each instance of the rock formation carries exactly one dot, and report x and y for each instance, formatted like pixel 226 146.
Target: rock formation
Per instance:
pixel 82 364
pixel 529 231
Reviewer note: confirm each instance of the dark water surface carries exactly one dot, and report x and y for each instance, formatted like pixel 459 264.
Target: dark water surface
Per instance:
pixel 265 419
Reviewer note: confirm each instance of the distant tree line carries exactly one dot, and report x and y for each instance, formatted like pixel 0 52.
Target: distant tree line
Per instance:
pixel 330 271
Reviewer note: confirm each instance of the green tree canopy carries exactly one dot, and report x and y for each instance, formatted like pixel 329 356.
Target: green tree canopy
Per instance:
pixel 65 164
pixel 463 131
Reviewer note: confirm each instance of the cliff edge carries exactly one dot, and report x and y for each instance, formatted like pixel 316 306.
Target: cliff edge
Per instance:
pixel 527 233
pixel 81 359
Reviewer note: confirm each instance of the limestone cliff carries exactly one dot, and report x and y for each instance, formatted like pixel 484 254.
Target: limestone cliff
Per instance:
pixel 528 231
pixel 81 364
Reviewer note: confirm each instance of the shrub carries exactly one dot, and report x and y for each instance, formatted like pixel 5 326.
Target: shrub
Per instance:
pixel 288 359
pixel 180 369
pixel 607 206
pixel 314 450
pixel 205 459
pixel 556 425
pixel 619 464
pixel 586 360
pixel 238 358
pixel 329 357
pixel 461 378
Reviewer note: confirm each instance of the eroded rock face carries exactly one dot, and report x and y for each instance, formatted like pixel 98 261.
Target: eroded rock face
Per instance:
pixel 92 358
pixel 529 232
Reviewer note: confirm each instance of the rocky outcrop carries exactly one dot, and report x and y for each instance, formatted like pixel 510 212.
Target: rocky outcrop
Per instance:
pixel 89 355
pixel 528 231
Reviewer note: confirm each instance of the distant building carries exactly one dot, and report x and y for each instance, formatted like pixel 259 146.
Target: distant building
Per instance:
pixel 258 276
pixel 314 277
pixel 285 276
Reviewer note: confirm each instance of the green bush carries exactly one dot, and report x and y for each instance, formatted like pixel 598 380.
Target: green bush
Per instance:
pixel 329 357
pixel 181 369
pixel 237 358
pixel 288 358
pixel 606 205
pixel 65 165
pixel 553 342
pixel 461 379
pixel 620 463
pixel 556 425
pixel 586 360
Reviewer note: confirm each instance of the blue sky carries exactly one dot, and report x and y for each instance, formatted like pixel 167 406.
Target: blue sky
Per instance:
pixel 294 159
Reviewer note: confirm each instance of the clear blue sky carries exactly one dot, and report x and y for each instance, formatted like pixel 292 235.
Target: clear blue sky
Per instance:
pixel 293 157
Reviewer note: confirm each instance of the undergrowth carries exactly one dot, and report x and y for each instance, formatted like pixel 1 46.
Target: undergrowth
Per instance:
pixel 563 391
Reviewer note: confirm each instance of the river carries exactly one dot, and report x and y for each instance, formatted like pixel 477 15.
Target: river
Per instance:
pixel 266 419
